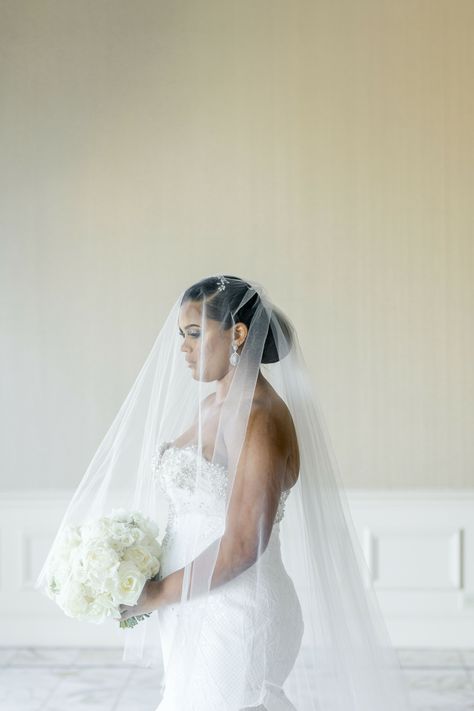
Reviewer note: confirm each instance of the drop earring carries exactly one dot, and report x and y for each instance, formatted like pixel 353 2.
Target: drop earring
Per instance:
pixel 235 357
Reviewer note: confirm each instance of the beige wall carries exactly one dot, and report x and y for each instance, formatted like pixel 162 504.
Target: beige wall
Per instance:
pixel 325 149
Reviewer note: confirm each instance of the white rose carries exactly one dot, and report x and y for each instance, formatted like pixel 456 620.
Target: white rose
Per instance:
pixel 76 566
pixel 73 600
pixel 131 582
pixel 142 557
pixel 99 561
pixel 102 606
pixel 153 545
pixel 121 535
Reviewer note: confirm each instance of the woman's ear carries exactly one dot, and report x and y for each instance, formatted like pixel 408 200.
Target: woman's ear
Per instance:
pixel 240 333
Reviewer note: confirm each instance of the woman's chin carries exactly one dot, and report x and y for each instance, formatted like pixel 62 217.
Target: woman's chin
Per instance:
pixel 195 376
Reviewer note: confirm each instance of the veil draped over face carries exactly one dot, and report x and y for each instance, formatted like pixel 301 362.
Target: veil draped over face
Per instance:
pixel 206 450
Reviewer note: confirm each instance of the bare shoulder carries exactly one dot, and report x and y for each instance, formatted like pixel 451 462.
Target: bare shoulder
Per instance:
pixel 271 419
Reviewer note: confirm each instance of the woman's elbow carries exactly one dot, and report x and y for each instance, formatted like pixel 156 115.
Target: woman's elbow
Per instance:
pixel 242 554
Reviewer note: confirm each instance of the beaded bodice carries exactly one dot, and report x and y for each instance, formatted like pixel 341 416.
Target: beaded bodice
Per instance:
pixel 174 469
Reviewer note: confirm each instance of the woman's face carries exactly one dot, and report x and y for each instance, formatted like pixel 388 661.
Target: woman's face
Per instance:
pixel 204 338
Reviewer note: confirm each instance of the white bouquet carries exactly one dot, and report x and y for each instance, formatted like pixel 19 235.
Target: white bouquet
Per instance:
pixel 102 564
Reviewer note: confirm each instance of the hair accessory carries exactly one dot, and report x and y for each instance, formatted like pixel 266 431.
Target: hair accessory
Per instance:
pixel 222 281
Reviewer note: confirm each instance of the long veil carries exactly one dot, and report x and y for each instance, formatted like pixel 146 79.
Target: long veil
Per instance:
pixel 205 429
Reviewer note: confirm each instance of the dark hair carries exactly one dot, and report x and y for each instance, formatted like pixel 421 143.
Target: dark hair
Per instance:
pixel 221 304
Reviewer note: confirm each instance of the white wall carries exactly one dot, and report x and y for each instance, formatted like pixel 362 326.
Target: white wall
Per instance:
pixel 322 148
pixel 418 549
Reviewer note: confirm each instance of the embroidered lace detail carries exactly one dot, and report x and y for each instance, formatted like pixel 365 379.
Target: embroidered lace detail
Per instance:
pixel 180 469
pixel 174 471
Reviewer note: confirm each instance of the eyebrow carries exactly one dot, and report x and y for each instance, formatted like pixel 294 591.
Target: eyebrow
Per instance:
pixel 189 324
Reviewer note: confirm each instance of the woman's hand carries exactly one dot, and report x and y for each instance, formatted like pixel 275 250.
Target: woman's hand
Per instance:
pixel 147 602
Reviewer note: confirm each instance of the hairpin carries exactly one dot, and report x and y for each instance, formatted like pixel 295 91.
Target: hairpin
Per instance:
pixel 222 282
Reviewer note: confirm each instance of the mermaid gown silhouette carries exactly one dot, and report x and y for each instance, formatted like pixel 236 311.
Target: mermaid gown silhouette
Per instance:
pixel 235 635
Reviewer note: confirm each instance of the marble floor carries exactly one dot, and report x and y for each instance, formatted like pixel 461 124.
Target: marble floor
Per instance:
pixel 67 679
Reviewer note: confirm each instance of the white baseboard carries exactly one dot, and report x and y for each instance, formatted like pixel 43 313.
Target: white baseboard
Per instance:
pixel 419 546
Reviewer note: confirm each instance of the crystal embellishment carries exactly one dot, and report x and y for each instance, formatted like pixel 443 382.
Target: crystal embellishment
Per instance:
pixel 174 470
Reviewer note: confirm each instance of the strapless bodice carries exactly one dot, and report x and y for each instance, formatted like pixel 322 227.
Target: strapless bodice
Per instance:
pixel 174 470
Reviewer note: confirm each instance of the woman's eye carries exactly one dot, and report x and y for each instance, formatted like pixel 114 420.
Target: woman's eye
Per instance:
pixel 194 334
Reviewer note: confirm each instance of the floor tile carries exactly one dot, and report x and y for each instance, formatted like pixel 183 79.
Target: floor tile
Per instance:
pixel 103 657
pixel 468 657
pixel 43 657
pixel 430 658
pixel 95 689
pixel 440 688
pixel 27 689
pixel 96 679
pixel 6 653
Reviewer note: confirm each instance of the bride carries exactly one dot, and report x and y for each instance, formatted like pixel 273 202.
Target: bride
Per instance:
pixel 263 599
pixel 268 465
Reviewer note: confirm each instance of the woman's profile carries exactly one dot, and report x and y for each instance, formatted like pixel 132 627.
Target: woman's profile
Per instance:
pixel 261 600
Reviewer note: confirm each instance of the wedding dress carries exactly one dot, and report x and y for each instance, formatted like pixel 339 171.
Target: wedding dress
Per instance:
pixel 234 629
pixel 274 611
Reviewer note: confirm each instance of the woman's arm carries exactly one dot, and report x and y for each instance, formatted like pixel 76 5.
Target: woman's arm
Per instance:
pixel 251 512
pixel 157 593
pixel 168 590
pixel 250 515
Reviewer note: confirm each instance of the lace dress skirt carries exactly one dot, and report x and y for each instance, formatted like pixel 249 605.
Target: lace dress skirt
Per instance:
pixel 239 641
